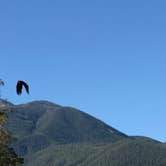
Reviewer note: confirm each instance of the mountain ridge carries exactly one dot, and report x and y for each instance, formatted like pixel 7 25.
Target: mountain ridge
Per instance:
pixel 48 133
pixel 56 124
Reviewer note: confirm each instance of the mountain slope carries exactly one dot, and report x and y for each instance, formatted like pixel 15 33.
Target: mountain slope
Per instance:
pixel 49 134
pixel 126 152
pixel 38 124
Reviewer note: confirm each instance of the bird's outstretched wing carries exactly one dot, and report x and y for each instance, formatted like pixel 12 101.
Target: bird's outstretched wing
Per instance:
pixel 20 85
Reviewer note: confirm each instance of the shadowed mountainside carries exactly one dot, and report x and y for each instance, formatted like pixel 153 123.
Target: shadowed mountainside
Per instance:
pixel 41 123
pixel 50 134
pixel 125 152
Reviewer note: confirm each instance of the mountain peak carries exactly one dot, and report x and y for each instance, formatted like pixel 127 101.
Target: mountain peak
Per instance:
pixel 40 102
pixel 5 103
pixel 48 122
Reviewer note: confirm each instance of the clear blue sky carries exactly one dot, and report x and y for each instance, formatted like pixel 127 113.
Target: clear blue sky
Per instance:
pixel 107 58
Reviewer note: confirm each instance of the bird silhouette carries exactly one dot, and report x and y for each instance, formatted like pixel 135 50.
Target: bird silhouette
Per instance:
pixel 20 85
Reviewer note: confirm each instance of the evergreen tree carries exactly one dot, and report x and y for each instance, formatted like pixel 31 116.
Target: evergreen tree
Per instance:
pixel 7 155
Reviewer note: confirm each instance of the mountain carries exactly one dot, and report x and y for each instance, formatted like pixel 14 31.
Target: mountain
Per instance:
pixel 50 134
pixel 125 152
pixel 39 124
pixel 5 103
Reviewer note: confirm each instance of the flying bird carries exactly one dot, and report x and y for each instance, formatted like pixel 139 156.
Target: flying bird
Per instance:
pixel 20 85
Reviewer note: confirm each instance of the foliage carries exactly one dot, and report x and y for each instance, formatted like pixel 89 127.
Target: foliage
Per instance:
pixel 7 155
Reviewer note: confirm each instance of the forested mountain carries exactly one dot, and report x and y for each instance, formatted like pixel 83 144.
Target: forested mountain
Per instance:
pixel 53 135
pixel 126 152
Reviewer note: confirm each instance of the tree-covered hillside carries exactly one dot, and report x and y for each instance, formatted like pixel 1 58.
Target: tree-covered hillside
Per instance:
pixel 127 152
pixel 52 135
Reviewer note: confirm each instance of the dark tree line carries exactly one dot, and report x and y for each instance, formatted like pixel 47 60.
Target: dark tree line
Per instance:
pixel 8 157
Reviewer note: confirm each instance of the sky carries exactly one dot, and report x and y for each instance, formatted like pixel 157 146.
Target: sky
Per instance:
pixel 106 58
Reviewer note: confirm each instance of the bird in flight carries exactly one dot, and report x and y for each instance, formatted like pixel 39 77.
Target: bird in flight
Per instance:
pixel 20 85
